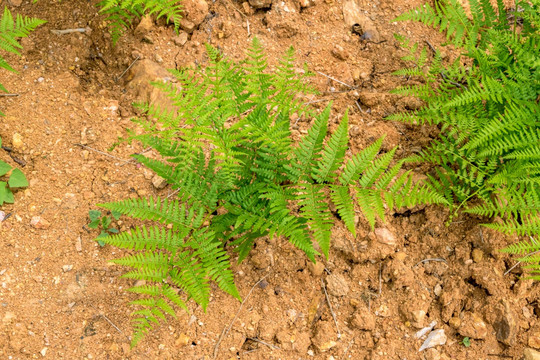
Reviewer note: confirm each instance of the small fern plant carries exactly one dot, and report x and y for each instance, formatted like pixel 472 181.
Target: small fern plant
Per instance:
pixel 120 13
pixel 11 30
pixel 488 112
pixel 487 154
pixel 228 150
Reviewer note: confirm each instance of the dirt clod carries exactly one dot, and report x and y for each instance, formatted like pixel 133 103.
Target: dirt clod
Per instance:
pixel 337 285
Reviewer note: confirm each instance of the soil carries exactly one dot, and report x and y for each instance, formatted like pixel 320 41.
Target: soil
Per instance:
pixel 60 296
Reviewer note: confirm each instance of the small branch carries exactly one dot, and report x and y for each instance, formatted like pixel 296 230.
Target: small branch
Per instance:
pixel 431 259
pixel 336 80
pixel 70 31
pixel 129 67
pixel 358 105
pixel 9 95
pixel 526 256
pixel 101 152
pixel 264 343
pixel 331 310
pixel 228 328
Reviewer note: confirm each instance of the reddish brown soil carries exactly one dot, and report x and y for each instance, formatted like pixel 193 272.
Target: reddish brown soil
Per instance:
pixel 61 299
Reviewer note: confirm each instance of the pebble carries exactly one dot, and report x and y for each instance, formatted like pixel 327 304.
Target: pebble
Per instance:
pixel 182 340
pixel 195 11
pixel 435 338
pixel 473 326
pixel 43 351
pixel 145 26
pixel 17 141
pixel 477 255
pixel 337 285
pixel 316 269
pixel 260 4
pixel 159 182
pixel 534 337
pixel 39 223
pixel 325 335
pixel 67 268
pixel 181 39
pixel 2 215
pixel 505 325
pixel 385 236
pixel 530 354
pixel 362 319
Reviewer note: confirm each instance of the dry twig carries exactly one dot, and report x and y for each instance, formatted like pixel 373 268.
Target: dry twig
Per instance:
pixel 228 328
pixel 331 310
pixel 336 80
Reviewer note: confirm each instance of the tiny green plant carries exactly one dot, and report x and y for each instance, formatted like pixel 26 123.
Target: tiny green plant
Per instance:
pixel 228 150
pixel 13 178
pixel 466 341
pixel 120 13
pixel 10 31
pixel 486 157
pixel 97 221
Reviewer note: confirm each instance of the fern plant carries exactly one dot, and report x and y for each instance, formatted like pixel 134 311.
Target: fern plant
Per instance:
pixel 12 29
pixel 120 13
pixel 229 152
pixel 488 111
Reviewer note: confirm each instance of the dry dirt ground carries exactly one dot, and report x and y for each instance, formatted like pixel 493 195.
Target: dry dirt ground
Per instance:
pixel 61 299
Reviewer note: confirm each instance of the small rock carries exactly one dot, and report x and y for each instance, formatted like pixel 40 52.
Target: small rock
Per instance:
pixel 67 268
pixel 145 26
pixel 17 142
pixel 260 4
pixel 437 290
pixel 158 58
pixel 534 337
pixel 316 269
pixel 477 255
pixel 422 332
pixel 159 182
pixel 38 222
pixel 195 11
pixel 182 340
pixel 181 39
pixel 2 215
pixel 384 236
pixel 306 3
pixel 454 322
pixel 362 319
pixel 325 337
pixel 340 53
pixel 15 3
pixel 78 244
pixel 43 351
pixel 505 325
pixel 472 326
pixel 187 25
pixel 530 354
pixel 337 285
pixel 435 338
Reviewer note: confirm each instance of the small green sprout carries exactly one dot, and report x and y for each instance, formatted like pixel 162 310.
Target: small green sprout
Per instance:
pixel 104 222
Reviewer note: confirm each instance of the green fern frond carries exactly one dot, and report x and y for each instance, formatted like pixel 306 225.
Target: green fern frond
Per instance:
pixel 10 31
pixel 120 13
